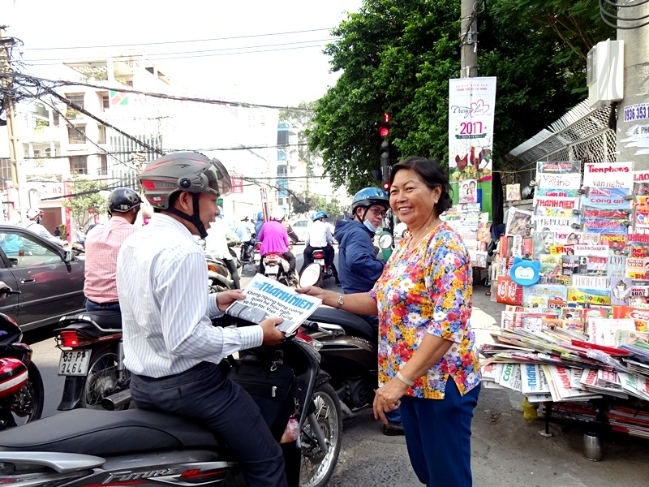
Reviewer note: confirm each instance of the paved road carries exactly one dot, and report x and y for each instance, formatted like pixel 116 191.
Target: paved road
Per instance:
pixel 506 450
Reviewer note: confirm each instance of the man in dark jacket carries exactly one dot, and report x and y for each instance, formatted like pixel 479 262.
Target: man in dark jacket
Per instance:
pixel 358 266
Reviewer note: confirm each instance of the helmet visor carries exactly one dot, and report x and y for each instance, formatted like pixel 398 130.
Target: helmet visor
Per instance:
pixel 218 179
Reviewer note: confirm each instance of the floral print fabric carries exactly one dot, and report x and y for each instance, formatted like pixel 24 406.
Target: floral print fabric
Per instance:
pixel 428 290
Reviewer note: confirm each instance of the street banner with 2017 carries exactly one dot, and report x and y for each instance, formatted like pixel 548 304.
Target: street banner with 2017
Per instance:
pixel 470 131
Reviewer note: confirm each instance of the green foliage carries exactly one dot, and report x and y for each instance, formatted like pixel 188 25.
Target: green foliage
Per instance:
pixel 63 230
pixel 396 56
pixel 86 201
pixel 306 203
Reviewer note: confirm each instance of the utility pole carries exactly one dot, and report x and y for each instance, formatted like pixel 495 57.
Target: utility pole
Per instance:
pixel 469 38
pixel 16 150
pixel 633 110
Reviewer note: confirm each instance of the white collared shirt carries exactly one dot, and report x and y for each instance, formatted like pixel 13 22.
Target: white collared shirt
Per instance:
pixel 318 234
pixel 166 310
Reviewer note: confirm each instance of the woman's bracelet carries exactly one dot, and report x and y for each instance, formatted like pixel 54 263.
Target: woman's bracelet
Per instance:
pixel 405 380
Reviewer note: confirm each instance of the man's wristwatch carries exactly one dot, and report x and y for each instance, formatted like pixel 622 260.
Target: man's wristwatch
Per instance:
pixel 341 301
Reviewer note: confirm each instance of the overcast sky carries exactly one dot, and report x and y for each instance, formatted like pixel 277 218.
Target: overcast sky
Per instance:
pixel 290 69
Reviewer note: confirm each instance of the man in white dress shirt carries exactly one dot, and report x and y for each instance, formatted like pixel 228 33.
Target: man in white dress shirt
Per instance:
pixel 170 345
pixel 319 236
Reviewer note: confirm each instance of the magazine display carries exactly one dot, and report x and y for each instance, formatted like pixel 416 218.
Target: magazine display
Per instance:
pixel 581 331
pixel 266 298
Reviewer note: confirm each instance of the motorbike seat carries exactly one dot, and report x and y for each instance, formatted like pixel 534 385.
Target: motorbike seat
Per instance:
pixel 107 433
pixel 105 319
pixel 351 323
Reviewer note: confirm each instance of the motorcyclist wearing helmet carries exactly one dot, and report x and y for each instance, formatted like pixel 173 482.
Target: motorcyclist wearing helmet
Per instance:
pixel 101 249
pixel 274 240
pixel 359 266
pixel 216 244
pixel 246 233
pixel 170 346
pixel 259 223
pixel 357 261
pixel 318 236
pixel 34 218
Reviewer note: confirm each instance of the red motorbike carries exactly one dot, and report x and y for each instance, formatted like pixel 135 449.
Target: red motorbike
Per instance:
pixel 21 386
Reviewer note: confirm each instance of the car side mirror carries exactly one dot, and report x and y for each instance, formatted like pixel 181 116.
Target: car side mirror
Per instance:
pixel 68 256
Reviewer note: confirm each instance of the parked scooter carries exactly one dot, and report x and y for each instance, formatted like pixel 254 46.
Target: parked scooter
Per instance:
pixel 90 448
pixel 21 386
pixel 91 358
pixel 218 274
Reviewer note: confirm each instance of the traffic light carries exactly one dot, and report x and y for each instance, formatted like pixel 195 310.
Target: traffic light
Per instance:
pixel 384 157
pixel 386 187
pixel 219 202
pixel 384 126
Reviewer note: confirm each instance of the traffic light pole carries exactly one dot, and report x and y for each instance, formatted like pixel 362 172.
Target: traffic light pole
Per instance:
pixel 469 38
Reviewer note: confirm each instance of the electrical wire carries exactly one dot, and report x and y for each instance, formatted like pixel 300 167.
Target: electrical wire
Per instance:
pixel 181 41
pixel 59 83
pixel 606 15
pixel 74 106
pixel 156 55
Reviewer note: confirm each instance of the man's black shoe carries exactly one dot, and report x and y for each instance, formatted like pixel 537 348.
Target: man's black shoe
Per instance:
pixel 338 283
pixel 393 429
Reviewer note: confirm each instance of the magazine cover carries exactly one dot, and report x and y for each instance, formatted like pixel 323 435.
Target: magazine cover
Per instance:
pixel 620 290
pixel 519 222
pixel 537 296
pixel 267 298
pixel 608 174
pixel 468 191
pixel 513 192
pixel 607 198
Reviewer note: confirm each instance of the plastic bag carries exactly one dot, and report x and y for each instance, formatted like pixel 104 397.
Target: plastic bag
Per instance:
pixel 292 431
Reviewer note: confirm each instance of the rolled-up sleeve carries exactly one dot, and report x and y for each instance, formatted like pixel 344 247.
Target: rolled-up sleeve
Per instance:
pixel 448 279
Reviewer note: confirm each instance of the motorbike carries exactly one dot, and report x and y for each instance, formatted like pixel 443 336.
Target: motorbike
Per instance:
pixel 248 250
pixel 318 268
pixel 91 358
pixel 277 267
pixel 349 352
pixel 21 386
pixel 90 447
pixel 218 274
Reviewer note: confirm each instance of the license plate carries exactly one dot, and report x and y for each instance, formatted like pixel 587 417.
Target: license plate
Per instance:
pixel 74 362
pixel 257 258
pixel 319 261
pixel 271 269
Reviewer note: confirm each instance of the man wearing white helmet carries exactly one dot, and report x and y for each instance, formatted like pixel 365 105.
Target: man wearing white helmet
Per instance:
pixel 34 216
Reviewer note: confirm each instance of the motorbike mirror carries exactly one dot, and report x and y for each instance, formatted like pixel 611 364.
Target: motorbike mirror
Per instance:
pixel 385 241
pixel 310 276
pixel 68 256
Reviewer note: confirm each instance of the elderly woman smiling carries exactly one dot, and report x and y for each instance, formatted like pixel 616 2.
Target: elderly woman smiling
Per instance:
pixel 428 364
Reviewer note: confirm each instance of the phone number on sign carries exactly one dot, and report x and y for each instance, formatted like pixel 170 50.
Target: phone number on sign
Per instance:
pixel 636 112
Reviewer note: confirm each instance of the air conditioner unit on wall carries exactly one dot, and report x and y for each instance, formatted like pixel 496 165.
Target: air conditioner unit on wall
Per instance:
pixel 605 73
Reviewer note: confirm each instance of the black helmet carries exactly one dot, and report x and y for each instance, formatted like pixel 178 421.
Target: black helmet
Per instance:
pixel 123 200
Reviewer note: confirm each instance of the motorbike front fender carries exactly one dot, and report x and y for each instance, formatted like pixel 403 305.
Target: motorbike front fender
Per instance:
pixel 72 390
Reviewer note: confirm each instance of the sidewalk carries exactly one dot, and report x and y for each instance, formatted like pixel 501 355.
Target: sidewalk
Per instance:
pixel 485 317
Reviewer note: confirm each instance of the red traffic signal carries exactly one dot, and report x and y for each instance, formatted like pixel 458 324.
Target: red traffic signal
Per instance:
pixel 386 187
pixel 384 126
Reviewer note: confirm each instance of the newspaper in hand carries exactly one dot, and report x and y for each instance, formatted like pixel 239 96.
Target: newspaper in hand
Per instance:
pixel 266 298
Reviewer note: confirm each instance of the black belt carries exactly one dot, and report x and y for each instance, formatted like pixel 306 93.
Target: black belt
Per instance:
pixel 110 303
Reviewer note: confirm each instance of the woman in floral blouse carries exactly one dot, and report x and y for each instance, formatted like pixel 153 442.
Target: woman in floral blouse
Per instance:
pixel 428 364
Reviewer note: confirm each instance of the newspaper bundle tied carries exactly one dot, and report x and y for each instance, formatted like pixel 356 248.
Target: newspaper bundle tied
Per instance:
pixel 266 298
